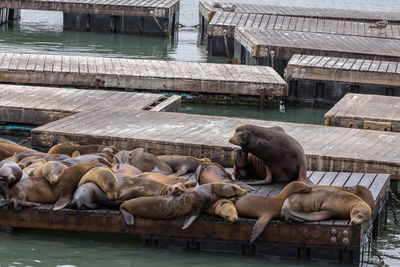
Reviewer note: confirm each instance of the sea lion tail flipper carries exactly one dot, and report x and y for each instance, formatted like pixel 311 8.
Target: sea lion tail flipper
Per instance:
pixel 312 216
pixel 128 217
pixel 62 202
pixel 190 219
pixel 245 186
pixel 259 227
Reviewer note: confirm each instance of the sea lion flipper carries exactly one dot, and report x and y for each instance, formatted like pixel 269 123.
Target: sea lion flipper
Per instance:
pixel 128 217
pixel 62 202
pixel 190 219
pixel 259 227
pixel 312 216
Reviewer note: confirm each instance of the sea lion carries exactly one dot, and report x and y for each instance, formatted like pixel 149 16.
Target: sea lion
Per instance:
pixel 190 203
pixel 18 156
pixel 147 162
pixel 319 205
pixel 8 149
pixel 83 159
pixel 105 178
pixel 167 179
pixel 123 168
pixel 68 181
pixel 32 192
pixel 265 208
pixel 212 172
pixel 182 164
pixel 69 148
pixel 224 208
pixel 137 186
pixel 25 162
pixel 30 169
pixel 279 151
pixel 51 171
pixel 10 173
pixel 91 196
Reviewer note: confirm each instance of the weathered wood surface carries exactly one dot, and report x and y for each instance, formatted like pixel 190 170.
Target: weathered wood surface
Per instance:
pixel 318 233
pixel 208 9
pixel 228 21
pixel 344 69
pixel 153 75
pixel 160 8
pixel 326 148
pixel 366 112
pixel 41 105
pixel 260 43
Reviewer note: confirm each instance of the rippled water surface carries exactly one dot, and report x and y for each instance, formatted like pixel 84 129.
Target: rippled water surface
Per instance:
pixel 41 32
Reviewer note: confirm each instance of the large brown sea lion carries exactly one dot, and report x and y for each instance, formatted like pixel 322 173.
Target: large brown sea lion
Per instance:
pixel 190 203
pixel 51 171
pixel 8 149
pixel 183 164
pixel 279 151
pixel 10 173
pixel 138 186
pixel 265 208
pixel 31 192
pixel 319 205
pixel 212 172
pixel 69 180
pixel 105 178
pixel 147 162
pixel 69 148
pixel 91 196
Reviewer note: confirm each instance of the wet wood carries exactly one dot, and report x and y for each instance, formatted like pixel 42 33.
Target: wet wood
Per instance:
pixel 366 112
pixel 327 148
pixel 135 74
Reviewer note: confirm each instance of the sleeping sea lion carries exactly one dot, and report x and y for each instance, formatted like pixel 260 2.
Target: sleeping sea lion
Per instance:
pixel 69 148
pixel 265 208
pixel 167 179
pixel 105 178
pixel 212 172
pixel 124 168
pixel 182 164
pixel 32 192
pixel 50 171
pixel 224 208
pixel 279 151
pixel 18 156
pixel 10 173
pixel 168 207
pixel 137 186
pixel 8 149
pixel 147 162
pixel 68 181
pixel 83 159
pixel 319 205
pixel 91 196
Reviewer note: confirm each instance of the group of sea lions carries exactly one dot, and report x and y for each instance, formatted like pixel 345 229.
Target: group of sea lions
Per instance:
pixel 145 185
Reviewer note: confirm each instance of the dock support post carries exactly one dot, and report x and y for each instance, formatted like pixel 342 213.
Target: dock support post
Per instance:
pixel 14 14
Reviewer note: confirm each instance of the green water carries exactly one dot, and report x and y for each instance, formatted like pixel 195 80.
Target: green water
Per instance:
pixel 41 32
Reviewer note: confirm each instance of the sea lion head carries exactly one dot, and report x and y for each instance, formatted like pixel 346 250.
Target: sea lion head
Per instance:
pixel 228 190
pixel 52 171
pixel 241 136
pixel 176 189
pixel 365 194
pixel 226 209
pixel 360 214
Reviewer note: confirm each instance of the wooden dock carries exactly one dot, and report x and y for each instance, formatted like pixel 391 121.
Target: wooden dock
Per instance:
pixel 333 240
pixel 326 148
pixel 327 79
pixel 41 105
pixel 150 17
pixel 256 46
pixel 366 112
pixel 139 74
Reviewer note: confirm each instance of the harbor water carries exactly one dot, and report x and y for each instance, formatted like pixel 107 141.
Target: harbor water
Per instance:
pixel 41 32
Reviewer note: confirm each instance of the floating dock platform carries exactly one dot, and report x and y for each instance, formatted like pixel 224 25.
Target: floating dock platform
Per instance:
pixel 41 105
pixel 254 46
pixel 326 148
pixel 223 25
pixel 155 17
pixel 327 79
pixel 138 74
pixel 334 240
pixel 366 112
